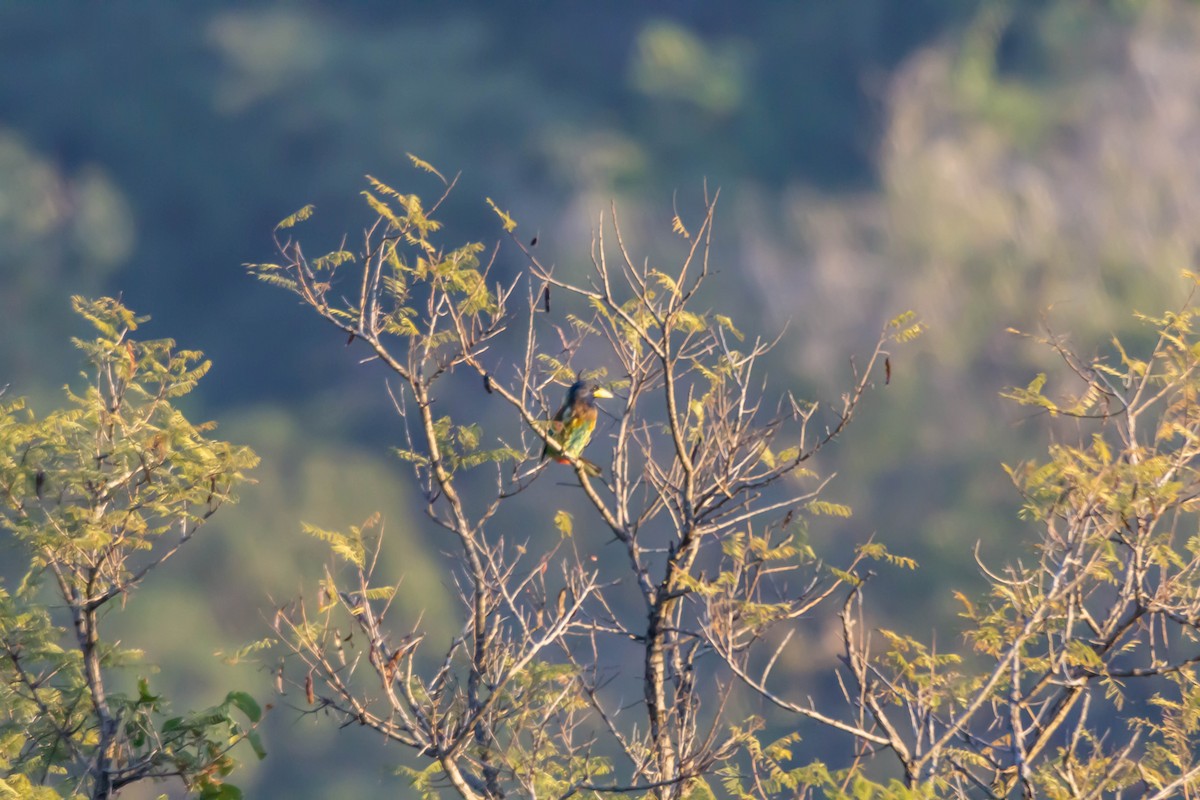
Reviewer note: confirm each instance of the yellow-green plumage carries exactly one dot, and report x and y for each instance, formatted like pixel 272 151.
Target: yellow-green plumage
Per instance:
pixel 572 427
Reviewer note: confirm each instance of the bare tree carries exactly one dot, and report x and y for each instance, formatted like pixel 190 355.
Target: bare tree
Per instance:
pixel 701 482
pixel 1079 679
pixel 1079 675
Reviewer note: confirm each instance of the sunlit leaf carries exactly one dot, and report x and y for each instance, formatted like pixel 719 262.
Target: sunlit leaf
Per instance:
pixel 299 216
pixel 510 224
pixel 425 165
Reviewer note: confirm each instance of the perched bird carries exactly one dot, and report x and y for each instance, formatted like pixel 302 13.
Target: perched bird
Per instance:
pixel 571 429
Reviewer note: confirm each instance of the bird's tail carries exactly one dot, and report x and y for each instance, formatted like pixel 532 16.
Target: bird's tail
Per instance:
pixel 589 466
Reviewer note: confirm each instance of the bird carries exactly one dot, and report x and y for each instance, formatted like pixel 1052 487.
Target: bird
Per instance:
pixel 571 429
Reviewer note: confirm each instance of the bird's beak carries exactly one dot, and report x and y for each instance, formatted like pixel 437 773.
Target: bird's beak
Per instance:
pixel 602 393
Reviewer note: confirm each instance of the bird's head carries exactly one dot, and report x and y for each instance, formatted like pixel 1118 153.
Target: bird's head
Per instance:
pixel 585 392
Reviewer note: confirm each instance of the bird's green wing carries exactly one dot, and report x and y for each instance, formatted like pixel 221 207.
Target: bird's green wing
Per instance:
pixel 553 431
pixel 577 431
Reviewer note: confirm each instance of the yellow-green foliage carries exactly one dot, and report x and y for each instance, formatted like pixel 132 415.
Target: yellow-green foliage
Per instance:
pixel 95 495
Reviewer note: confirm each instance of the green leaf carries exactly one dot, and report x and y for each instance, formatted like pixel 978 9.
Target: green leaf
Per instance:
pixel 381 592
pixel 677 226
pixel 332 260
pixel 221 791
pixel 299 216
pixel 382 209
pixel 905 328
pixel 666 281
pixel 510 224
pixel 468 436
pixel 563 521
pixel 425 165
pixel 246 704
pixel 845 577
pixel 239 655
pixel 256 744
pixel 341 544
pixel 727 323
pixel 824 508
pixel 689 322
pixel 384 189
pixel 1032 395
pixel 277 281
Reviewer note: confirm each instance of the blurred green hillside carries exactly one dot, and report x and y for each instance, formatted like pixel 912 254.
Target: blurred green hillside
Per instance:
pixel 990 165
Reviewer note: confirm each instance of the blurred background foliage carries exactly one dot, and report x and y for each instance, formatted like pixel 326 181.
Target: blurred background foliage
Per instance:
pixel 988 164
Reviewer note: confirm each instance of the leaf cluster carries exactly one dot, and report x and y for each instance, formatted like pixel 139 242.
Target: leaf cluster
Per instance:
pixel 95 496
